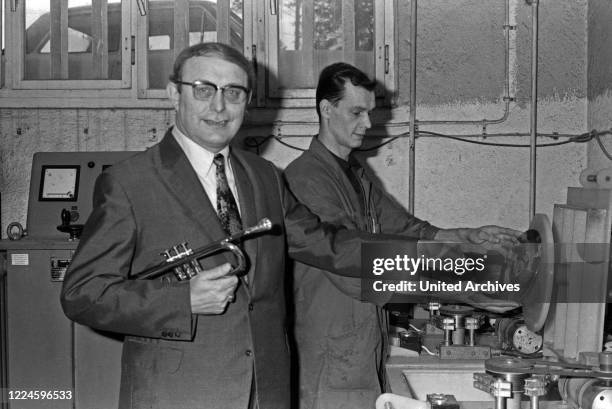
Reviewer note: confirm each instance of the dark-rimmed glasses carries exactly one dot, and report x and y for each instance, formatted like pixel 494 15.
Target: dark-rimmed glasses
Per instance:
pixel 206 90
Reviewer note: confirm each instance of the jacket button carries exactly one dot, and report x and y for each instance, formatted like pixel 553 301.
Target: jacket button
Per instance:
pixel 248 352
pixel 250 306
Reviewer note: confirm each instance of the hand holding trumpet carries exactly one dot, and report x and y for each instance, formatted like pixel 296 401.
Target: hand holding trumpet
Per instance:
pixel 212 290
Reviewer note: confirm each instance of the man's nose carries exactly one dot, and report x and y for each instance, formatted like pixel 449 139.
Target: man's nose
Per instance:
pixel 367 123
pixel 218 101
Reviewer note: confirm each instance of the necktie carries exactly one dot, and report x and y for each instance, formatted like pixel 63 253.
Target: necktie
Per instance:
pixel 227 209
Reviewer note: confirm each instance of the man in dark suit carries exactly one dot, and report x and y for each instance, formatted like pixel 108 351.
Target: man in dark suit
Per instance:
pixel 214 341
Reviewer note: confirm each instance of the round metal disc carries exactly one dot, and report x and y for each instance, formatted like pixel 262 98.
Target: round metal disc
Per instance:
pixel 507 365
pixel 536 299
pixel 455 309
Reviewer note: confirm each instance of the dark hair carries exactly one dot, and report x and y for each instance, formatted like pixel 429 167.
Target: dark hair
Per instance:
pixel 332 79
pixel 223 51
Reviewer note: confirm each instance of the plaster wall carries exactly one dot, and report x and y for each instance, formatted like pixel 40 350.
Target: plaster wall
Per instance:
pixel 460 76
pixel 600 80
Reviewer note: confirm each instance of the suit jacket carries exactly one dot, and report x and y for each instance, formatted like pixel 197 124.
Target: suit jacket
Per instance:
pixel 341 341
pixel 171 357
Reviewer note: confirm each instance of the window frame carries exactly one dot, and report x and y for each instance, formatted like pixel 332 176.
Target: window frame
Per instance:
pixel 16 47
pixel 142 29
pixel 260 40
pixel 384 55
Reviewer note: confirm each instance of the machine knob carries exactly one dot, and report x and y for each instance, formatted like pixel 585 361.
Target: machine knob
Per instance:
pixel 471 323
pixel 535 386
pixel 74 230
pixel 448 324
pixel 605 361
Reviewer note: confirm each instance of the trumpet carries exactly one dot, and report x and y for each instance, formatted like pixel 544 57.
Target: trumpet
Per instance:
pixel 183 261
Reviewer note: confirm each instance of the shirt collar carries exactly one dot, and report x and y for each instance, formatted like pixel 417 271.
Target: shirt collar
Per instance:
pixel 200 158
pixel 344 164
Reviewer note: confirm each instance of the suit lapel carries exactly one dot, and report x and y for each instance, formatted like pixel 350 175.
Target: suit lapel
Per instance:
pixel 180 178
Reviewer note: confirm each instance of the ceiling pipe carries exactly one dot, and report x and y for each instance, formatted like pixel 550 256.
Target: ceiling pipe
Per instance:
pixel 413 126
pixel 506 98
pixel 533 123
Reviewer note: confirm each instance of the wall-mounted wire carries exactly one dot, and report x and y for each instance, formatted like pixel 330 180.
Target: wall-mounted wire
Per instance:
pixel 373 148
pixel 582 138
pixel 601 145
pixel 257 142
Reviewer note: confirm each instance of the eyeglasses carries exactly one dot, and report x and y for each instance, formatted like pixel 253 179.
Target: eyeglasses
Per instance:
pixel 205 90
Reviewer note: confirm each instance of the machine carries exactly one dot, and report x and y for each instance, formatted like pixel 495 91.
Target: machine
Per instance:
pixel 550 352
pixel 49 361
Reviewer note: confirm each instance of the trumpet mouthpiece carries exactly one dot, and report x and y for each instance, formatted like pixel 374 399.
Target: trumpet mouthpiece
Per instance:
pixel 263 225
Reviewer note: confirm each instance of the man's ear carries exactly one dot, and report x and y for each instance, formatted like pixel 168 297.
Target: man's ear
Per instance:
pixel 324 107
pixel 173 94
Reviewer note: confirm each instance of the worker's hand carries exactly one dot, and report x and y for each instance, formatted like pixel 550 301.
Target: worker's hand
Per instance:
pixel 481 239
pixel 492 238
pixel 492 235
pixel 211 290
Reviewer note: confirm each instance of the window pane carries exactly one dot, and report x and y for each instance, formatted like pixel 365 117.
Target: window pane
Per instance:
pixel 209 20
pixel 291 25
pixel 364 25
pixel 73 40
pixel 316 33
pixel 202 22
pixel 160 53
pixel 328 24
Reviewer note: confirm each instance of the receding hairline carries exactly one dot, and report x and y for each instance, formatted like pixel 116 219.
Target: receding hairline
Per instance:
pixel 213 49
pixel 218 56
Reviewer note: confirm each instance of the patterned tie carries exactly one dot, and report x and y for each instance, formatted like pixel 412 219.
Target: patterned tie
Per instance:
pixel 226 204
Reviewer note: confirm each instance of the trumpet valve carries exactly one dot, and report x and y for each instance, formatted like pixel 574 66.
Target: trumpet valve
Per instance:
pixel 196 266
pixel 187 271
pixel 180 274
pixel 166 254
pixel 176 252
pixel 184 249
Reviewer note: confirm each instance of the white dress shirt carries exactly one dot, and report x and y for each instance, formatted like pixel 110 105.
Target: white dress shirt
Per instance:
pixel 202 162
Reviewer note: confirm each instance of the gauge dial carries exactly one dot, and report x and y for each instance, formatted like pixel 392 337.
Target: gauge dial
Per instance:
pixel 59 183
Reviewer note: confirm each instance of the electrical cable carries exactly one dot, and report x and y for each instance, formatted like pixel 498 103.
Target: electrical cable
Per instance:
pixel 428 351
pixel 581 138
pixel 602 147
pixel 415 328
pixel 288 145
pixel 373 148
